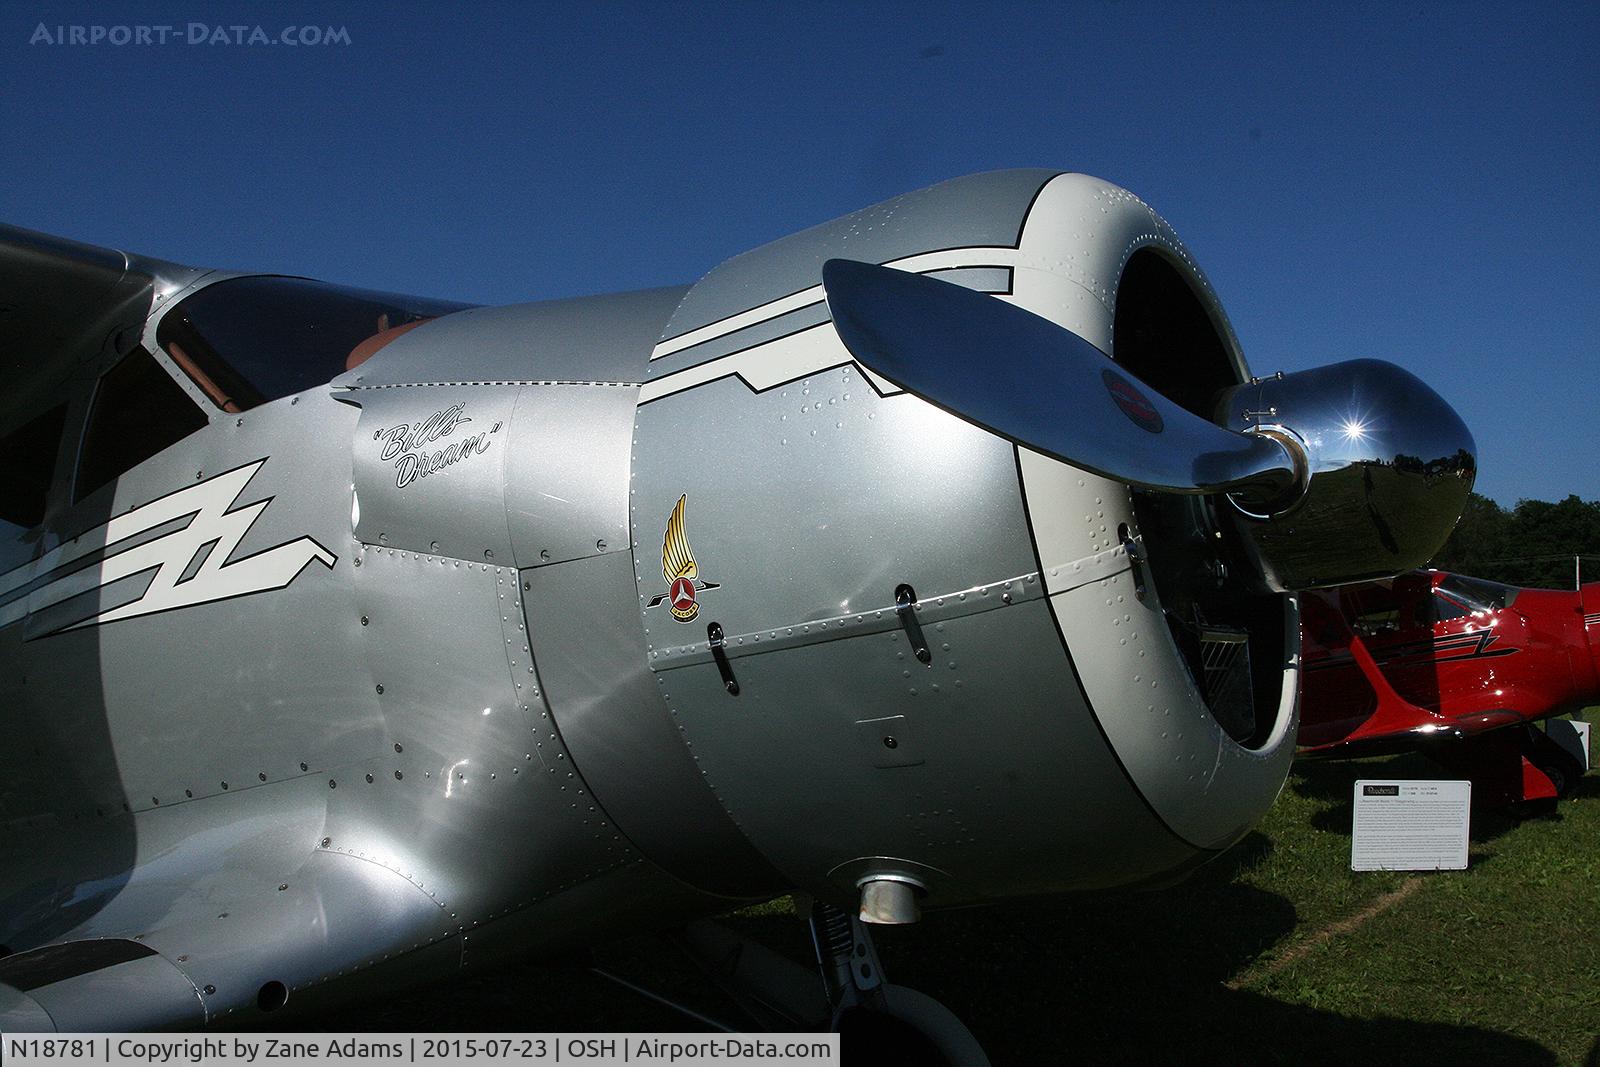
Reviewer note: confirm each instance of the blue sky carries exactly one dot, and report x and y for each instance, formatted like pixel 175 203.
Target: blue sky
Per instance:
pixel 1415 184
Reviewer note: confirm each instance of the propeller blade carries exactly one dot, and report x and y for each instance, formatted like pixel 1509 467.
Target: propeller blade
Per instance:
pixel 1041 386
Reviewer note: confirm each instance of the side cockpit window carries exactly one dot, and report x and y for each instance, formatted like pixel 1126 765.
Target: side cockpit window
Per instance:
pixel 1373 609
pixel 30 461
pixel 1403 604
pixel 1447 610
pixel 138 411
pixel 1479 594
pixel 250 340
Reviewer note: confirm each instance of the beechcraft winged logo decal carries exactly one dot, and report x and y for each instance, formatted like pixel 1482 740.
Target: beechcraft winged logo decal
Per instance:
pixel 184 542
pixel 679 570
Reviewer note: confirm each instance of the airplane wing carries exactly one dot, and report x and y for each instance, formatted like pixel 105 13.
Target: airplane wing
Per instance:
pixel 64 303
pixel 60 303
pixel 205 904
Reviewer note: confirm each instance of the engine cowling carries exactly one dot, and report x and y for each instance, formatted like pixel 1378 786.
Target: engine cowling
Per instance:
pixel 1031 721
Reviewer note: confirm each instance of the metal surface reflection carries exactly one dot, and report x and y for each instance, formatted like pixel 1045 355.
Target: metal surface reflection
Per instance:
pixel 1389 465
pixel 1033 382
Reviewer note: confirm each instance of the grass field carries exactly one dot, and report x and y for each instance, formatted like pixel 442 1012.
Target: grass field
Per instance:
pixel 1275 953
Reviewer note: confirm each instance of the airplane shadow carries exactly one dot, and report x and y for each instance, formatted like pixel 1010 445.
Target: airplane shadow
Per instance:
pixel 1098 978
pixel 67 842
pixel 1121 978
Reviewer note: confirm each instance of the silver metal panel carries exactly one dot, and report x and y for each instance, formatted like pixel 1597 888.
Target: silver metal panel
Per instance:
pixel 21 1014
pixel 1001 728
pixel 1206 787
pixel 143 994
pixel 818 499
pixel 477 800
pixel 616 903
pixel 889 741
pixel 1080 234
pixel 584 620
pixel 566 482
pixel 330 914
pixel 874 619
pixel 584 339
pixel 237 891
pixel 120 733
pixel 181 861
pixel 430 466
pixel 977 210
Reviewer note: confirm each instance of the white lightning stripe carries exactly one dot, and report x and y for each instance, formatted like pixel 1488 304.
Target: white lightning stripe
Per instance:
pixel 1592 620
pixel 766 365
pixel 782 359
pixel 145 517
pixel 170 554
pixel 922 262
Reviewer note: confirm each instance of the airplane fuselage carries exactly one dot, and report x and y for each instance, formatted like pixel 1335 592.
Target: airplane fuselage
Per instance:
pixel 520 627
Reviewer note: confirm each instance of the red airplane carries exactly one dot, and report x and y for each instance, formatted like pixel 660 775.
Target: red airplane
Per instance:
pixel 1458 668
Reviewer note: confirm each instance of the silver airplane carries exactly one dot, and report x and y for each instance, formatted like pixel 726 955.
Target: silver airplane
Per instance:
pixel 941 554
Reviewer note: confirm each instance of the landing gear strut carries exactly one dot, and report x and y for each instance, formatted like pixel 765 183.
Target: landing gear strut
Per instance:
pixel 877 1021
pixel 1560 767
pixel 1519 768
pixel 874 1018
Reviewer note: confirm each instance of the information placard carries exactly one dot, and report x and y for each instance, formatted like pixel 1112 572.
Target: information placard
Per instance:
pixel 1410 826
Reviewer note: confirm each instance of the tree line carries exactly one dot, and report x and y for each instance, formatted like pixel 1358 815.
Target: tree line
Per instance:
pixel 1532 544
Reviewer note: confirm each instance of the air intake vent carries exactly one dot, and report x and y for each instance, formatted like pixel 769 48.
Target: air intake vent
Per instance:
pixel 1225 669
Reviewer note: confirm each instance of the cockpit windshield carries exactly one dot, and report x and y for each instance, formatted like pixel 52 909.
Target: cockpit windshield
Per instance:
pixel 1479 594
pixel 245 341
